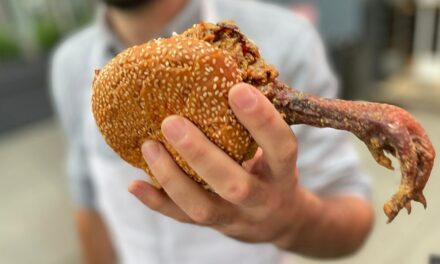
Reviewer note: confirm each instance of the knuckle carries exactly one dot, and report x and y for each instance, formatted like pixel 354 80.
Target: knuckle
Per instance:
pixel 205 215
pixel 155 203
pixel 287 155
pixel 194 151
pixel 274 204
pixel 239 192
pixel 165 181
pixel 265 118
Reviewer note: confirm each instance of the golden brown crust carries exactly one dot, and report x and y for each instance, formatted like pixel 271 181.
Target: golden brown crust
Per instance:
pixel 144 84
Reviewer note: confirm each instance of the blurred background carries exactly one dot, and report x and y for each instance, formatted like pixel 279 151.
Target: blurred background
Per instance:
pixel 387 51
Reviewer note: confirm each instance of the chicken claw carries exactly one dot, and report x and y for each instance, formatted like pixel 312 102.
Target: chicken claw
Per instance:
pixel 383 128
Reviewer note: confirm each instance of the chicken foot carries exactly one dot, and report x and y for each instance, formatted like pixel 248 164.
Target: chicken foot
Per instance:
pixel 383 128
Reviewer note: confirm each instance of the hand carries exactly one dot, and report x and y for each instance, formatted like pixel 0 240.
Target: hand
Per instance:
pixel 256 202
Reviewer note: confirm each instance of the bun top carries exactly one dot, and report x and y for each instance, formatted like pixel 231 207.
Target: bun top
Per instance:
pixel 180 75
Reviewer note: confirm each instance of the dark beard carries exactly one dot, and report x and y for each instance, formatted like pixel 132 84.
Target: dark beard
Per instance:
pixel 127 4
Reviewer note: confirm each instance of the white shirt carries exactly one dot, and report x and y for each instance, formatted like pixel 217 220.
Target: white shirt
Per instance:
pixel 99 179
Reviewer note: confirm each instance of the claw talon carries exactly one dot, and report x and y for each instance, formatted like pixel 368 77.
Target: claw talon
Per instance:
pixel 408 207
pixel 421 199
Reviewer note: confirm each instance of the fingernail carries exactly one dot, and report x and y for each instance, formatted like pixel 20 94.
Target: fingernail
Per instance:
pixel 174 128
pixel 151 151
pixel 244 98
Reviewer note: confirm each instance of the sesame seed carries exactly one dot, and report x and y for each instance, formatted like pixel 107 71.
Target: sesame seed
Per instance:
pixel 179 75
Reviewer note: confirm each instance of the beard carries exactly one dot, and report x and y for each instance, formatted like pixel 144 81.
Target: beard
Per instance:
pixel 127 4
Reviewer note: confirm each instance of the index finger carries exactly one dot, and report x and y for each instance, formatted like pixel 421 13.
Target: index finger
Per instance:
pixel 265 124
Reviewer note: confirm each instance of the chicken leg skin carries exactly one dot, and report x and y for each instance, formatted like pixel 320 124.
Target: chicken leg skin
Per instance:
pixel 382 127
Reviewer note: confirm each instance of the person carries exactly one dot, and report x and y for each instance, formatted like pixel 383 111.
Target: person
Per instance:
pixel 303 192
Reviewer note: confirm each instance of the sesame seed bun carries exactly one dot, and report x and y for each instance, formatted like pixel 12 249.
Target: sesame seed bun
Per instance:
pixel 188 75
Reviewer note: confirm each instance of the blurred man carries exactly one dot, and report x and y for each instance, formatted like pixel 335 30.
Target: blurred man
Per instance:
pixel 323 213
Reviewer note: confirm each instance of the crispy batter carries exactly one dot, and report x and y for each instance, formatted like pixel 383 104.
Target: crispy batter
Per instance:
pixel 177 76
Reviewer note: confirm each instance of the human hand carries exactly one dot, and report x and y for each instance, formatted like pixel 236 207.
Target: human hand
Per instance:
pixel 260 201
